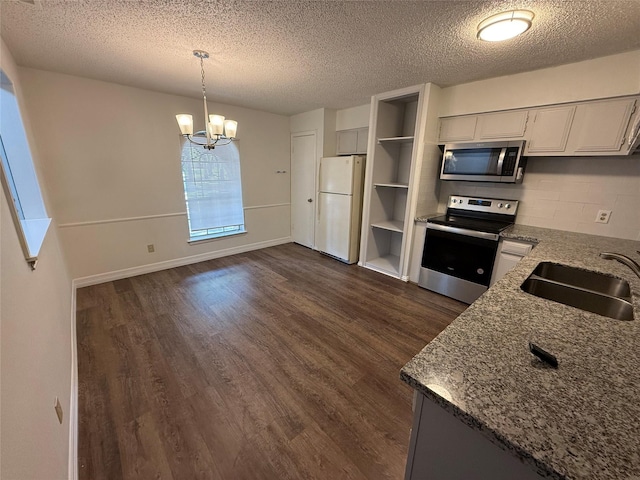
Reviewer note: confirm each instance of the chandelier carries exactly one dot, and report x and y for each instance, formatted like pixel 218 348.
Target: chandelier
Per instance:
pixel 217 128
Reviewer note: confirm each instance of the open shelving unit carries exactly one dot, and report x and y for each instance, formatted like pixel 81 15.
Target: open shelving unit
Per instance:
pixel 394 130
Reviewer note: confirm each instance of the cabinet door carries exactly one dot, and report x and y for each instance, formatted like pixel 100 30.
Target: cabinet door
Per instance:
pixel 600 126
pixel 347 142
pixel 502 125
pixel 363 139
pixel 550 130
pixel 457 129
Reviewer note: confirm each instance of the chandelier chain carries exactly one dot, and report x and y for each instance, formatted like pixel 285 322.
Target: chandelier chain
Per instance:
pixel 204 93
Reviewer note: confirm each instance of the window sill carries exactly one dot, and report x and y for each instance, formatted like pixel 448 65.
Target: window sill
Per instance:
pixel 34 231
pixel 210 238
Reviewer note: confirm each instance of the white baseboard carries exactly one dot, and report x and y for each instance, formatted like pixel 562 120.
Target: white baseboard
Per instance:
pixel 178 262
pixel 73 397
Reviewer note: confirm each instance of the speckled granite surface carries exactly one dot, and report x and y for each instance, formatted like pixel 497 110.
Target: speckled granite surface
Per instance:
pixel 580 421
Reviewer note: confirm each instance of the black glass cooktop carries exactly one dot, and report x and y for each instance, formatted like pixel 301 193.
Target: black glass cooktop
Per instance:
pixel 469 223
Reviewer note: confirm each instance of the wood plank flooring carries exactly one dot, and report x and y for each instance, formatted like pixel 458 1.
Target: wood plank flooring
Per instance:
pixel 275 364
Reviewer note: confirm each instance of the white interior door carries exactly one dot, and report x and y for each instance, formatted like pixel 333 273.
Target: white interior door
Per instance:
pixel 303 187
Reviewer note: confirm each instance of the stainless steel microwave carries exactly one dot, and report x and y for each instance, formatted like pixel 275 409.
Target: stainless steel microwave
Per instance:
pixel 484 162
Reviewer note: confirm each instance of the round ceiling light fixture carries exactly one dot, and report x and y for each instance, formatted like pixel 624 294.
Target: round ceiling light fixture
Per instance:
pixel 505 25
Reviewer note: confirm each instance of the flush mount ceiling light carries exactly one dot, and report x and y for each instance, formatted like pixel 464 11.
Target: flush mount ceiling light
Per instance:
pixel 217 128
pixel 505 25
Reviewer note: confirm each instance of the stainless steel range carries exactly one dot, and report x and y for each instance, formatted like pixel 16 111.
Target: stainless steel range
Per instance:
pixel 460 247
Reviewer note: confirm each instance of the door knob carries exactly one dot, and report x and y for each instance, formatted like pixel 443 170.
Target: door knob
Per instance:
pixel 309 200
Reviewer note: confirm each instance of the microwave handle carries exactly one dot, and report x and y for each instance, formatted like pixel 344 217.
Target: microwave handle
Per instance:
pixel 503 152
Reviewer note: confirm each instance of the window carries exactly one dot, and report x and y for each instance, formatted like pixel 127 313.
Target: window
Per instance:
pixel 19 176
pixel 213 191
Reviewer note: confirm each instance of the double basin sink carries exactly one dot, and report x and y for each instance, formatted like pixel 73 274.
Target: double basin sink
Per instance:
pixel 591 291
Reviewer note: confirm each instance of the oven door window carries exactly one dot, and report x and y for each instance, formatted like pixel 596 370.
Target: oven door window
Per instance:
pixel 472 161
pixel 460 256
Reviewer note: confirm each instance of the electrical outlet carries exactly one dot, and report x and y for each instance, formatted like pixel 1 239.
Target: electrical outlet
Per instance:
pixel 151 248
pixel 58 409
pixel 603 216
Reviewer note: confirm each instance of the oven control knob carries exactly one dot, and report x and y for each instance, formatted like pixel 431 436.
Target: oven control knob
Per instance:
pixel 507 206
pixel 499 205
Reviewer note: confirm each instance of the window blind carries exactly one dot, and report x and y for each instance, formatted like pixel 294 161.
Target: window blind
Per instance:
pixel 213 188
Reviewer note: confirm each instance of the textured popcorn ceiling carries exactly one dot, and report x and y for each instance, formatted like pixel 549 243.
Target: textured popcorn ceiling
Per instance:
pixel 293 56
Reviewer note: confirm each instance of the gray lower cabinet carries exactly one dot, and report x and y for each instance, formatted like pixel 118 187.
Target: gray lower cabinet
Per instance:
pixel 443 447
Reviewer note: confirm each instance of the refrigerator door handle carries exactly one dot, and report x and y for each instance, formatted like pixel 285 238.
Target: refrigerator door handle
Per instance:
pixel 318 206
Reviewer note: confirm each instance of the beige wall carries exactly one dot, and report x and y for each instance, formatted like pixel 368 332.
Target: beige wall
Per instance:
pixel 603 77
pixel 354 117
pixel 323 122
pixel 112 156
pixel 35 342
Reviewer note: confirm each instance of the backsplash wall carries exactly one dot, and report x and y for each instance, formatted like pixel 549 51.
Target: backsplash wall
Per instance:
pixel 565 193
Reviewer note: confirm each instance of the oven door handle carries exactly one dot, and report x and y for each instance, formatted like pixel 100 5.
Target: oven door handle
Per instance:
pixel 463 231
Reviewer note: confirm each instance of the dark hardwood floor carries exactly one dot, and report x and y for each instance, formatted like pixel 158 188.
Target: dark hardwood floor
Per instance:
pixel 275 364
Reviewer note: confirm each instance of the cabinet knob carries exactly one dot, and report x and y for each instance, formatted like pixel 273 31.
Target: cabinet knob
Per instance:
pixel 309 200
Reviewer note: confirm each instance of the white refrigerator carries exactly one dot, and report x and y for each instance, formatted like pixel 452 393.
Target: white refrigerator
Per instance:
pixel 339 212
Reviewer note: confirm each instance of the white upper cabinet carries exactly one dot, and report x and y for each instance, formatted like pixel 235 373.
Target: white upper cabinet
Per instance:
pixel 502 125
pixel 484 127
pixel 458 129
pixel 363 139
pixel 589 128
pixel 550 130
pixel 351 142
pixel 601 126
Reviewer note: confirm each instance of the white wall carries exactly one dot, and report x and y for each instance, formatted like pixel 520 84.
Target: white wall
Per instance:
pixel 35 340
pixel 112 157
pixel 603 77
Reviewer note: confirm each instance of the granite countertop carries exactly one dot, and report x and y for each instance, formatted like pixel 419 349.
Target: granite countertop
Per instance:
pixel 579 421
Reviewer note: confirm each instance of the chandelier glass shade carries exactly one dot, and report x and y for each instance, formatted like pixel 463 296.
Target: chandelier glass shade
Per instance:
pixel 218 131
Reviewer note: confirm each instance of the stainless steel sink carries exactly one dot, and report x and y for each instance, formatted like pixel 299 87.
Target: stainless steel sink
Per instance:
pixel 576 277
pixel 591 291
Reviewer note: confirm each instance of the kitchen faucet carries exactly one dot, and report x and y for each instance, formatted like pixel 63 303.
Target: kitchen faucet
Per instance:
pixel 632 264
